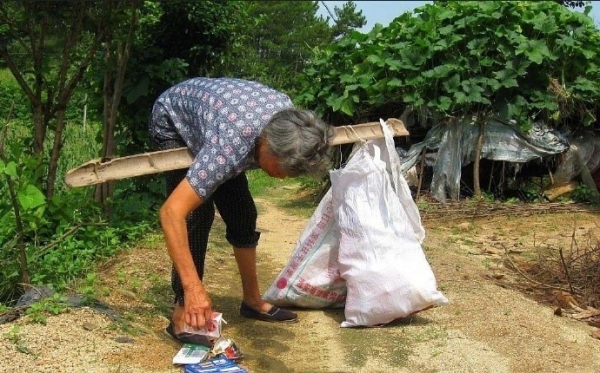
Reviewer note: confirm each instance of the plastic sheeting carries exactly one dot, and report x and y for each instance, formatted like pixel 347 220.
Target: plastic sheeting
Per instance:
pixel 456 146
pixel 584 150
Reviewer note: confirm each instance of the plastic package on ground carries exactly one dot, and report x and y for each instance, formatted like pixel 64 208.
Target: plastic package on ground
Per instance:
pixel 228 348
pixel 195 354
pixel 217 321
pixel 215 365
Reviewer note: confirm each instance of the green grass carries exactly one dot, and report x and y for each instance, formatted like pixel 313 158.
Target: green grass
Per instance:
pixel 80 144
pixel 260 182
pixel 298 196
pixel 79 147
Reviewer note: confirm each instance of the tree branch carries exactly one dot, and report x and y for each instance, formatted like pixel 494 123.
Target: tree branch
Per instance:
pixel 16 73
pixel 532 280
pixel 329 11
pixel 22 255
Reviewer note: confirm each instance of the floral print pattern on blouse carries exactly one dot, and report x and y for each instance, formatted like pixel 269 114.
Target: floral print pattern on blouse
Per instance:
pixel 219 120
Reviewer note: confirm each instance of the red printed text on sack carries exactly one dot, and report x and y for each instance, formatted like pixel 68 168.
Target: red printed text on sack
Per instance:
pixel 320 293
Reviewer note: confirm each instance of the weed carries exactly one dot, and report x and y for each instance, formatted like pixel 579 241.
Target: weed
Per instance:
pixel 584 194
pixel 512 201
pixel 433 332
pixel 468 241
pixel 424 205
pixel 453 238
pixel 53 305
pixel 6 75
pixel 63 237
pixel 279 191
pixel 89 288
pixel 487 197
pixel 260 182
pixel 121 277
pixel 153 240
pixel 14 336
pixel 135 284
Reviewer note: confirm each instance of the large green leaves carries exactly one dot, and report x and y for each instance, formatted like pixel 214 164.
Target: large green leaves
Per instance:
pixel 9 169
pixel 535 50
pixel 464 56
pixel 30 198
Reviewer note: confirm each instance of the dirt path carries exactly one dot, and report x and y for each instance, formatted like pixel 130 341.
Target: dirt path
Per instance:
pixel 487 327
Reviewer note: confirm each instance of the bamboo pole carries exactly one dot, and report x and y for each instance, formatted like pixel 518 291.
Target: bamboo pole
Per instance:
pixel 96 171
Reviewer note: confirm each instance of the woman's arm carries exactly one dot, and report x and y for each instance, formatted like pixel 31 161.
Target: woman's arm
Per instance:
pixel 182 201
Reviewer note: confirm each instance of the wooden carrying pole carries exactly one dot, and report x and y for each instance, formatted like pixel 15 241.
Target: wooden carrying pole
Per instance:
pixel 96 172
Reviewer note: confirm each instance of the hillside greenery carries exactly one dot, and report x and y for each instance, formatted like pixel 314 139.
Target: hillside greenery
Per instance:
pixel 518 60
pixel 62 104
pixel 77 81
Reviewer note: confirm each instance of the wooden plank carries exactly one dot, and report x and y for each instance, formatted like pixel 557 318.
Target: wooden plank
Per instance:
pixel 366 131
pixel 96 172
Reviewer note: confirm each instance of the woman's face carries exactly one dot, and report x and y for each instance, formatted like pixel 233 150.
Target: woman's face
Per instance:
pixel 269 163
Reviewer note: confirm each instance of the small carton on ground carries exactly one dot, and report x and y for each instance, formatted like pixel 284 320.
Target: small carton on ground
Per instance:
pixel 217 321
pixel 191 354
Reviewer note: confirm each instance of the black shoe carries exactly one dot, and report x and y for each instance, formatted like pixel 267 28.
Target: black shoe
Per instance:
pixel 275 314
pixel 185 337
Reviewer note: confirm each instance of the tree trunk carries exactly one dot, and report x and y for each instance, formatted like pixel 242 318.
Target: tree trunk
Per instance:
pixel 20 236
pixel 55 153
pixel 49 94
pixel 113 91
pixel 103 191
pixel 476 163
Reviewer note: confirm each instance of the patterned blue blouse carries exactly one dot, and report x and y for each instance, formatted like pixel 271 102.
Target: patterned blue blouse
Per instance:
pixel 219 120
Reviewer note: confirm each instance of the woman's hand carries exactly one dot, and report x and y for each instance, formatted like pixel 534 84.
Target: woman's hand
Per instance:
pixel 197 308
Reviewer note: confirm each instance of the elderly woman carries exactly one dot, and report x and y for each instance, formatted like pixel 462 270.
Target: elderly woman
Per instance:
pixel 230 126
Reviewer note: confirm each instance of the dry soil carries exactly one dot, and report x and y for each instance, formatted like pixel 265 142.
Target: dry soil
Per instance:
pixel 489 325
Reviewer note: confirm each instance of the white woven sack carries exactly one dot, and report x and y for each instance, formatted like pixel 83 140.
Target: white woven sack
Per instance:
pixel 380 256
pixel 393 166
pixel 312 279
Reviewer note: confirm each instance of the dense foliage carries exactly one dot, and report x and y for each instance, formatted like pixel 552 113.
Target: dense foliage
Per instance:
pixel 518 60
pixel 266 41
pixel 60 82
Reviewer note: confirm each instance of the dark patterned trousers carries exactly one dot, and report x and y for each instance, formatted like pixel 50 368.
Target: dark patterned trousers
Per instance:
pixel 237 209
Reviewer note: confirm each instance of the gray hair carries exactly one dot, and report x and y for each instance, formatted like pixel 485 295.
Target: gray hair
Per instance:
pixel 300 141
